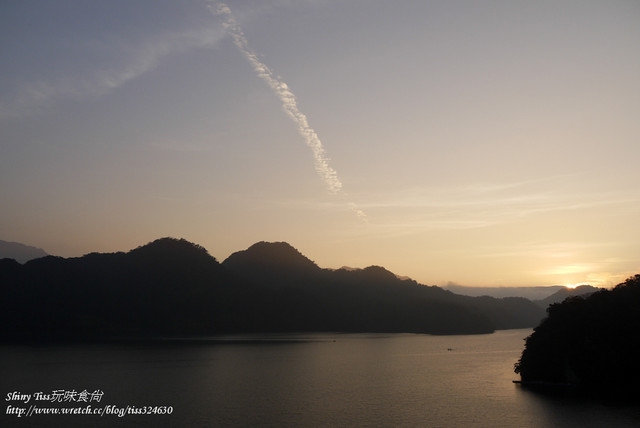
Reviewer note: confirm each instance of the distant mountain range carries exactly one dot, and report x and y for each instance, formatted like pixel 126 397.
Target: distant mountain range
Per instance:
pixel 20 252
pixel 172 287
pixel 564 292
pixel 531 293
pixel 542 295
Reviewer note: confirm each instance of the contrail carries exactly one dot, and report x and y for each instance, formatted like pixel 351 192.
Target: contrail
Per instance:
pixel 287 98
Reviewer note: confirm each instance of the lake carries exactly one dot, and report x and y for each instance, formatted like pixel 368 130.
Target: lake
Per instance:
pixel 293 380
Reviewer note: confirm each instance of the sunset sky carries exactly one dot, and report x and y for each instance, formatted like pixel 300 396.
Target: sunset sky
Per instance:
pixel 488 143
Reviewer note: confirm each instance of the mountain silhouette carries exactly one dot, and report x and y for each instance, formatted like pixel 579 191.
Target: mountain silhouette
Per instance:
pixel 275 261
pixel 589 344
pixel 20 252
pixel 532 293
pixel 174 288
pixel 566 292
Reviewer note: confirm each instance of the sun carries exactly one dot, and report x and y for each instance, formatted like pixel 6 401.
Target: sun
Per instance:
pixel 574 285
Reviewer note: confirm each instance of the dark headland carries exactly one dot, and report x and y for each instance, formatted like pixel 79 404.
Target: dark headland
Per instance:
pixel 588 346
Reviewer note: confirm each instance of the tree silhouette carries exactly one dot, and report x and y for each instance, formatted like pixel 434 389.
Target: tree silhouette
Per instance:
pixel 590 343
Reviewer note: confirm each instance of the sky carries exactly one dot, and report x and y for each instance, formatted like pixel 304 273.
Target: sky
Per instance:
pixel 481 143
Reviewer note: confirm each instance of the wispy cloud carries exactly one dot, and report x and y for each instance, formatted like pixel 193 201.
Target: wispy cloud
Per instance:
pixel 570 269
pixel 139 58
pixel 474 206
pixel 543 249
pixel 508 198
pixel 287 98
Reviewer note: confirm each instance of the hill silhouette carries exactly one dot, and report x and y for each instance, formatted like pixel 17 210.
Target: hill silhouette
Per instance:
pixel 565 292
pixel 271 262
pixel 532 293
pixel 20 252
pixel 589 343
pixel 171 287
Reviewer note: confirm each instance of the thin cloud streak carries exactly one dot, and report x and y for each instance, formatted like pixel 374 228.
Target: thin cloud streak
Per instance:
pixel 517 202
pixel 466 207
pixel 287 98
pixel 479 206
pixel 543 249
pixel 144 57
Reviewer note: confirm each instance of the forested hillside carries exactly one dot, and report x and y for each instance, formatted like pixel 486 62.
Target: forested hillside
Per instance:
pixel 173 288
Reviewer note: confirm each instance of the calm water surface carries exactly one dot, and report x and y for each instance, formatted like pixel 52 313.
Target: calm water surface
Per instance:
pixel 300 380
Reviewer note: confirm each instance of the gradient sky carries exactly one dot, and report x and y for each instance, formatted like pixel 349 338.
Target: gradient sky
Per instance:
pixel 477 142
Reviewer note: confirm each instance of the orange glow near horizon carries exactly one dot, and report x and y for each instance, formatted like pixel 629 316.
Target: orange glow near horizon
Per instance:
pixel 575 285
